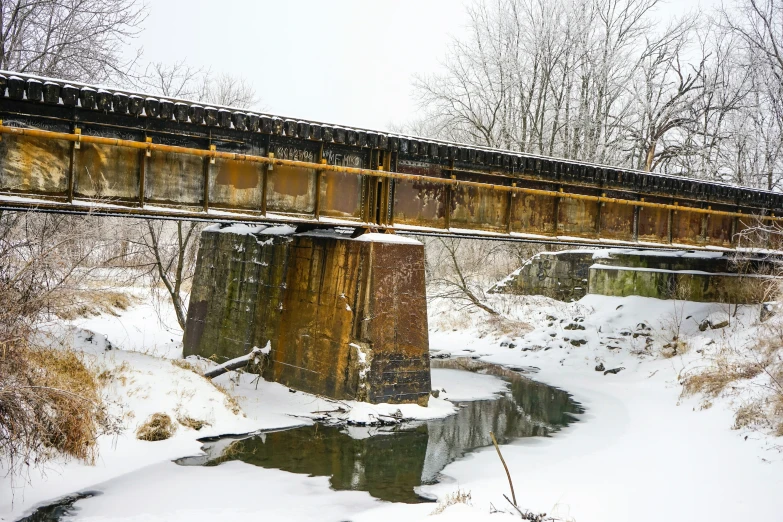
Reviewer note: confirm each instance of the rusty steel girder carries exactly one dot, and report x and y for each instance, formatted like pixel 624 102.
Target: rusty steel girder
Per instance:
pixel 78 148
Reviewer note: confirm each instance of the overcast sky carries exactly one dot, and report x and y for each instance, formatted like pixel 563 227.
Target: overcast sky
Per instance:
pixel 349 62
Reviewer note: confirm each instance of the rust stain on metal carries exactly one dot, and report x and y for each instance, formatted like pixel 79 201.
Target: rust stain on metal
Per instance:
pixel 577 218
pixel 341 195
pixel 291 189
pixel 420 203
pixel 617 221
pixel 174 178
pixel 479 208
pixel 37 161
pixel 106 172
pixel 33 164
pixel 239 174
pixel 654 223
pixel 234 184
pixel 686 226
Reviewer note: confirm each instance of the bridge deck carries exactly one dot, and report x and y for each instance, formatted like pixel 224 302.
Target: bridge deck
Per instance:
pixel 75 148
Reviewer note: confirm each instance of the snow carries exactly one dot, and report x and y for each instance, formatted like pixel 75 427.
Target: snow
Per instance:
pixel 210 494
pixel 665 271
pixel 640 451
pixel 466 386
pixel 236 228
pixel 699 254
pixel 375 237
pixel 364 413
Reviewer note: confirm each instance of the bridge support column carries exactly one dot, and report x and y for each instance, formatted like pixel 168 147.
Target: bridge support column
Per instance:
pixel 345 318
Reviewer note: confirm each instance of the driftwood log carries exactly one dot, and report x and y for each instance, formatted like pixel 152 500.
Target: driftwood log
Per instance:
pixel 240 362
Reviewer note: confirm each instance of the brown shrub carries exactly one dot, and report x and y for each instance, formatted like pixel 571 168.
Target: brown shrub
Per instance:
pixel 49 402
pixel 714 379
pixel 157 427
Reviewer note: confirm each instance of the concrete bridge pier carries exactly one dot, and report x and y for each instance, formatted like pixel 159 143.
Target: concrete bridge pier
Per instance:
pixel 342 317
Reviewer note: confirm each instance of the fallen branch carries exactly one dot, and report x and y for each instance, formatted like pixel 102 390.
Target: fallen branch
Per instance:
pixel 240 362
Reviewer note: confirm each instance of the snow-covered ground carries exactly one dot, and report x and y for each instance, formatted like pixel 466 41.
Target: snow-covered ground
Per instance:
pixel 641 452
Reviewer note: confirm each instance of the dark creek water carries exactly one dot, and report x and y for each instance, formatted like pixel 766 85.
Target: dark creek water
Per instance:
pixel 390 463
pixel 59 509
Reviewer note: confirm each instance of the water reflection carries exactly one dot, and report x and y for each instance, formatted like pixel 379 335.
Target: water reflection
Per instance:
pixel 391 463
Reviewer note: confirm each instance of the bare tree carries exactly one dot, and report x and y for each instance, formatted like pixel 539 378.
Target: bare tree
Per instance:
pixel 72 39
pixel 181 80
pixel 600 80
pixel 172 255
pixel 460 270
pixel 665 92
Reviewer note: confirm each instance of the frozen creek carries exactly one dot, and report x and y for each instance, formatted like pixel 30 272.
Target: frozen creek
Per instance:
pixel 388 462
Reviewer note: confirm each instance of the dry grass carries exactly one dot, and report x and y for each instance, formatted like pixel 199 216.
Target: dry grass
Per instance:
pixel 190 422
pixel 90 302
pixel 458 497
pixel 157 427
pixel 185 365
pixel 229 400
pixel 50 403
pixel 751 376
pixel 715 378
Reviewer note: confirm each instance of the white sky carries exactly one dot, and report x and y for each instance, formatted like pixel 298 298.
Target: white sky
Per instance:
pixel 349 62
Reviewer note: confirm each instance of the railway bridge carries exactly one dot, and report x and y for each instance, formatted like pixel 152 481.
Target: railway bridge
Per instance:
pixel 341 315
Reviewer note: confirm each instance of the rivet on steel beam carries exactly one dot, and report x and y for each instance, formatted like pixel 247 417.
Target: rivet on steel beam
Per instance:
pixel 212 157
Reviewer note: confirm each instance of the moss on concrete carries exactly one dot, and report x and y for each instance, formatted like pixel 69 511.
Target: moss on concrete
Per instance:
pixel 345 319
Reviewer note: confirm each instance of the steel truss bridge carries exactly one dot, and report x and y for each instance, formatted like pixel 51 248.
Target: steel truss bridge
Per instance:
pixel 69 147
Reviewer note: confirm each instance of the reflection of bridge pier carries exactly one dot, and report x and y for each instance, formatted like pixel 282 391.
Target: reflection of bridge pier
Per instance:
pixel 343 317
pixel 391 463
